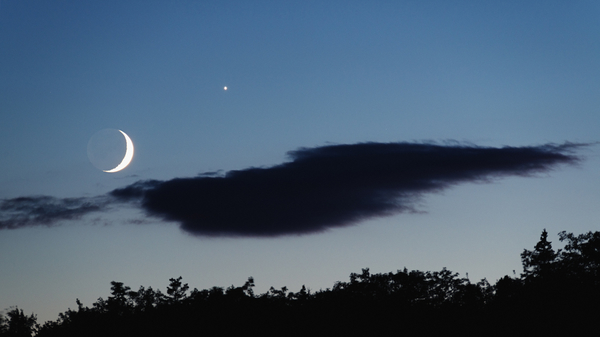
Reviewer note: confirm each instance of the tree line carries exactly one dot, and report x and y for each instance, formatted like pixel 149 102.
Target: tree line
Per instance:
pixel 558 292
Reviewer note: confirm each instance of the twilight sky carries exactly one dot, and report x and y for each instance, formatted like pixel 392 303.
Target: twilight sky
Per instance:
pixel 390 134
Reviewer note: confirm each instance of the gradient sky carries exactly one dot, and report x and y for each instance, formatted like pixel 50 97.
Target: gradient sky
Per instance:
pixel 299 74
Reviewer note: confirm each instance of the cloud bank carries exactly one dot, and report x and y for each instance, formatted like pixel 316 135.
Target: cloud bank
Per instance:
pixel 318 189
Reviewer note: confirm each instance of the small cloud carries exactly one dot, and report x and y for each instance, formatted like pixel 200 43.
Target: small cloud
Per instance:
pixel 217 173
pixel 46 210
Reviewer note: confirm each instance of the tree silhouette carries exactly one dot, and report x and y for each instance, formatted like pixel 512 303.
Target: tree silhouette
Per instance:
pixel 539 262
pixel 145 300
pixel 557 293
pixel 18 324
pixel 176 290
pixel 581 255
pixel 3 324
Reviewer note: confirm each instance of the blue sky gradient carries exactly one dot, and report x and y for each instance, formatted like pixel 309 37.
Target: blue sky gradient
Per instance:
pixel 299 74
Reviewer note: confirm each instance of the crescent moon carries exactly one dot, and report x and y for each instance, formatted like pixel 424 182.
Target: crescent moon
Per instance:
pixel 128 155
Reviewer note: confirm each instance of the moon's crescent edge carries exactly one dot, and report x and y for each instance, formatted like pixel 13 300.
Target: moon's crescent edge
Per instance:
pixel 128 155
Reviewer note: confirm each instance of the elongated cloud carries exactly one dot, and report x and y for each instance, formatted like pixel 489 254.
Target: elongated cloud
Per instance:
pixel 318 189
pixel 331 186
pixel 46 210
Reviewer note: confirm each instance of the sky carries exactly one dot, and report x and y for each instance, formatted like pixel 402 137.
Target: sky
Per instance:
pixel 352 134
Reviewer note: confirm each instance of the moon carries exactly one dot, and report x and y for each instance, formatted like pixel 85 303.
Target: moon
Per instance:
pixel 128 155
pixel 108 152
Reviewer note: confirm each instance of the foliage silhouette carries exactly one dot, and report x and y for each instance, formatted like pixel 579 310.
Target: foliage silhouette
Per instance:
pixel 557 293
pixel 18 324
pixel 539 262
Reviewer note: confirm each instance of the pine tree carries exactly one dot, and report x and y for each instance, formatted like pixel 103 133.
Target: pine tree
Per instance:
pixel 539 263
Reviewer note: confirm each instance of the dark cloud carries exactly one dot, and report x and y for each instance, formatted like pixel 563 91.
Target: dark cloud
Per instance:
pixel 319 188
pixel 332 186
